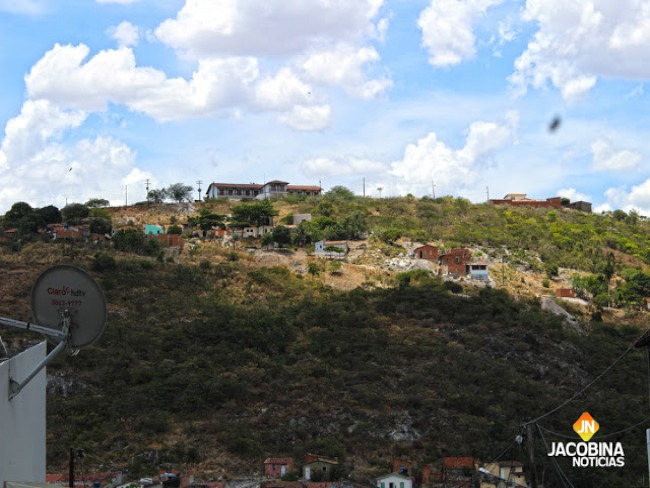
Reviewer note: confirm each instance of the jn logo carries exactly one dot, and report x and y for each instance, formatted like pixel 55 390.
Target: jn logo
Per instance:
pixel 586 426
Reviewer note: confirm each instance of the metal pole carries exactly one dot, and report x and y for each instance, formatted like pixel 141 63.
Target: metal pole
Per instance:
pixel 15 387
pixel 531 455
pixel 647 438
pixel 59 334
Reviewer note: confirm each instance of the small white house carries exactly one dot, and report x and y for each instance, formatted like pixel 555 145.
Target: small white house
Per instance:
pixel 394 480
pixel 478 271
pixel 331 248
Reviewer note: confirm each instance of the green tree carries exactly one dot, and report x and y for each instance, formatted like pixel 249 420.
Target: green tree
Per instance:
pixel 254 214
pixel 16 213
pixel 74 213
pixel 97 203
pixel 50 214
pixel 180 192
pixel 340 193
pixel 101 221
pixel 281 235
pixel 175 229
pixel 207 220
pixel 157 196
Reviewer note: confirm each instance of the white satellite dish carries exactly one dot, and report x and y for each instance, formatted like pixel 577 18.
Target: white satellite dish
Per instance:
pixel 67 291
pixel 68 306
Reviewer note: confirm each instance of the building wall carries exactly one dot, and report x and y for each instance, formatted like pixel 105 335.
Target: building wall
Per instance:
pixel 22 420
pixel 426 252
pixel 555 202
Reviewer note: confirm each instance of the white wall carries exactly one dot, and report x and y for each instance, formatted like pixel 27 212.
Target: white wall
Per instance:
pixel 22 420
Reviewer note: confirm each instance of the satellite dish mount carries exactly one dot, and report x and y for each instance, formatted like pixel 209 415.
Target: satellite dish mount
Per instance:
pixel 69 308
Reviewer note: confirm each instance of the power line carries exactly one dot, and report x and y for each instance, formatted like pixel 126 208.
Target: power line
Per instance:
pixel 579 392
pixel 557 467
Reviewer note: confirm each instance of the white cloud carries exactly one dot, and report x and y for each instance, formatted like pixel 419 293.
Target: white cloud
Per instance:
pixel 307 118
pixel 638 198
pixel 126 34
pixel 573 195
pixel 281 91
pixel 36 164
pixel 343 66
pixel 605 158
pixel 432 160
pixel 257 27
pixel 29 7
pixel 579 41
pixel 447 29
pixel 343 166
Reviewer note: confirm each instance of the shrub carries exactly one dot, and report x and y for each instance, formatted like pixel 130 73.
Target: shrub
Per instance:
pixel 104 262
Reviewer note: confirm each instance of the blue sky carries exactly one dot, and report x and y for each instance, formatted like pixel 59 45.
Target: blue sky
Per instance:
pixel 451 96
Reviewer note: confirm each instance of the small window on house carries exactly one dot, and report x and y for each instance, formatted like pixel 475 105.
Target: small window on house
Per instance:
pixel 401 484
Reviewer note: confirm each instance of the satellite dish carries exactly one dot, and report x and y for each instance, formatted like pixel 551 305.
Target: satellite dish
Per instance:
pixel 66 289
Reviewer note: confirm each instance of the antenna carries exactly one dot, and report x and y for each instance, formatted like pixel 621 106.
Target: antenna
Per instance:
pixel 68 307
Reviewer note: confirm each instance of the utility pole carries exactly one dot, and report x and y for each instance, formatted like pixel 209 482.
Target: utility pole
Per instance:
pixel 379 189
pixel 199 183
pixel 364 187
pixel 433 190
pixel 126 195
pixel 71 469
pixel 487 191
pixel 531 455
pixel 146 182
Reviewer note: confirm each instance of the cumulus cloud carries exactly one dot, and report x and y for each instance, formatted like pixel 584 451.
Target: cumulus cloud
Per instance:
pixel 64 76
pixel 448 29
pixel 637 198
pixel 344 66
pixel 303 118
pixel 573 195
pixel 35 164
pixel 126 34
pixel 431 159
pixel 578 42
pixel 605 158
pixel 206 28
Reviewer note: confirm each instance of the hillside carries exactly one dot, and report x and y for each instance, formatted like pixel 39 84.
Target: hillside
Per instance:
pixel 221 356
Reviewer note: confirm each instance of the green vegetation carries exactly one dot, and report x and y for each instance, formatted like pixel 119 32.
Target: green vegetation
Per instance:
pixel 225 360
pixel 252 362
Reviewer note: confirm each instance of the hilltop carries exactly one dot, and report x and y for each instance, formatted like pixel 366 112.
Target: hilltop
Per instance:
pixel 222 355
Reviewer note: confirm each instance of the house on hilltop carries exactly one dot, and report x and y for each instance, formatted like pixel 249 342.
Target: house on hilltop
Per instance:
pixel 521 200
pixel 394 480
pixel 454 262
pixel 331 248
pixel 319 468
pixel 502 474
pixel 237 191
pixel 277 467
pixel 427 251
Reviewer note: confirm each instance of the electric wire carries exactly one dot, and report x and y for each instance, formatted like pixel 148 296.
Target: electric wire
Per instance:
pixel 579 392
pixel 563 478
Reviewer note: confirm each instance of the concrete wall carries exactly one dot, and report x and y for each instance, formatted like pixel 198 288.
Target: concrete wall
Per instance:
pixel 22 420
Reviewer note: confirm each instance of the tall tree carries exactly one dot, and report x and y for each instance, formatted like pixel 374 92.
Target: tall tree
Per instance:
pixel 255 214
pixel 180 192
